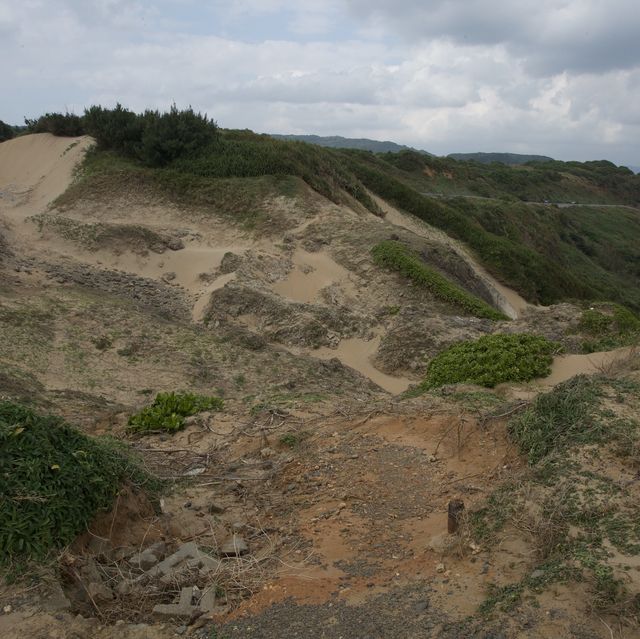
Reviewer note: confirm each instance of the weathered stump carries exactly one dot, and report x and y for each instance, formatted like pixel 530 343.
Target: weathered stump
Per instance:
pixel 456 508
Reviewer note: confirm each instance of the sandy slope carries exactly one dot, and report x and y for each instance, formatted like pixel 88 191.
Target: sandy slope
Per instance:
pixel 36 169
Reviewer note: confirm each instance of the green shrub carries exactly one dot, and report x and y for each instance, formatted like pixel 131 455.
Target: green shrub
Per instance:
pixel 491 360
pixel 175 134
pixel 6 131
pixel 293 440
pixel 169 410
pixel 157 139
pixel 609 326
pixel 62 124
pixel 396 256
pixel 53 480
pixel 116 129
pixel 562 417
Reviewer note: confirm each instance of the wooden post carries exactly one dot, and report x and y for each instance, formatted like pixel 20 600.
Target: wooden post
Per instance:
pixel 456 508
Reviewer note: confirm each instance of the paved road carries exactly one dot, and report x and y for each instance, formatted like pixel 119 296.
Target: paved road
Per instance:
pixel 561 205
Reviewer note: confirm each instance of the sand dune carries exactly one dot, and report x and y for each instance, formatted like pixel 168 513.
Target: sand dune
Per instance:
pixel 36 169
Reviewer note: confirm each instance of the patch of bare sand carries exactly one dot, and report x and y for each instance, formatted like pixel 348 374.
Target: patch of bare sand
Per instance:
pixel 36 169
pixel 358 353
pixel 567 366
pixel 509 301
pixel 311 273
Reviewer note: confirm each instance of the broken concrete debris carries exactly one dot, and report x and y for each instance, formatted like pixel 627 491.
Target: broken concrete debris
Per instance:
pixel 234 547
pixel 185 609
pixel 187 558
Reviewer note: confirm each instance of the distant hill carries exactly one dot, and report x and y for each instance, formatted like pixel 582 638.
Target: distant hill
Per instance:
pixel 338 142
pixel 505 158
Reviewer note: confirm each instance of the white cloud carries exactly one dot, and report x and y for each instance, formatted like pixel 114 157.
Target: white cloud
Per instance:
pixel 445 76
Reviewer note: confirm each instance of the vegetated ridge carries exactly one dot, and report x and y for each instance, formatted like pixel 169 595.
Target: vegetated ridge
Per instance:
pixel 339 142
pixel 503 158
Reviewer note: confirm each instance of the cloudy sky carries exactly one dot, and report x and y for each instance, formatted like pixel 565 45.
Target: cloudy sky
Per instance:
pixel 558 77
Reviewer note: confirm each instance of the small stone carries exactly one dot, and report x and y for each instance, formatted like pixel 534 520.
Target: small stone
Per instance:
pixel 180 630
pixel 7 609
pixel 147 560
pixel 267 452
pixel 208 599
pixel 159 549
pixel 421 606
pixel 216 508
pixel 536 574
pixel 56 599
pixel 99 592
pixel 433 458
pixel 440 568
pixel 234 547
pixel 175 244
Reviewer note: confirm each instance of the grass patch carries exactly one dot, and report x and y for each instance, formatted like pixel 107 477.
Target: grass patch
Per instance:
pixel 53 480
pixel 569 504
pixel 564 417
pixel 168 411
pixel 293 440
pixel 395 256
pixel 608 326
pixel 491 360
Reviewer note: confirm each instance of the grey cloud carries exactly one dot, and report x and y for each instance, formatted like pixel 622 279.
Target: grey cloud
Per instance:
pixel 550 36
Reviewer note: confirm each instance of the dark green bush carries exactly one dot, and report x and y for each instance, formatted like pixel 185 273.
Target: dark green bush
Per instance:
pixel 169 410
pixel 53 480
pixel 491 360
pixel 115 129
pixel 169 136
pixel 154 138
pixel 61 124
pixel 396 256
pixel 6 131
